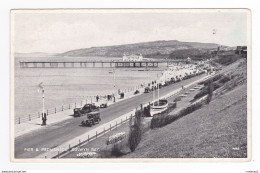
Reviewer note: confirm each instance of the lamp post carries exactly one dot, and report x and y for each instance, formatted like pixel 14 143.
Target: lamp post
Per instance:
pixel 44 118
pixel 114 71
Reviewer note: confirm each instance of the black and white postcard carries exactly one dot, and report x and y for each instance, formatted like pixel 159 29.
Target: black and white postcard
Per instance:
pixel 91 85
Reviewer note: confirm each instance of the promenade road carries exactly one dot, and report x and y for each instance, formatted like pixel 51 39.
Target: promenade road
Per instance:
pixel 54 135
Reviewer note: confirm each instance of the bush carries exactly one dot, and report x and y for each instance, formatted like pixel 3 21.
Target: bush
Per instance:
pixel 164 119
pixel 224 79
pixel 116 151
pixel 214 78
pixel 177 99
pixel 202 93
pixel 147 111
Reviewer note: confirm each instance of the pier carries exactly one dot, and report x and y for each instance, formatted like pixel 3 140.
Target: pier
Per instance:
pixel 97 64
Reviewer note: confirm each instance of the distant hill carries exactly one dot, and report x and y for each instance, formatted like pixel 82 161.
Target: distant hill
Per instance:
pixel 146 48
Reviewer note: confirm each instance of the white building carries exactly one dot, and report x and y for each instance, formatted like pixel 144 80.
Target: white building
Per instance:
pixel 133 57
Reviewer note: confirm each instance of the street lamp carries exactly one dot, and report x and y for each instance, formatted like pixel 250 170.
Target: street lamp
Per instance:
pixel 43 106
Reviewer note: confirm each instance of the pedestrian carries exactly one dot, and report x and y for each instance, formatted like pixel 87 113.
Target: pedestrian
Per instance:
pixel 97 97
pixel 44 119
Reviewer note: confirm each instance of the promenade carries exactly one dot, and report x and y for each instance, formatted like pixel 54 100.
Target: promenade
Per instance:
pixel 56 134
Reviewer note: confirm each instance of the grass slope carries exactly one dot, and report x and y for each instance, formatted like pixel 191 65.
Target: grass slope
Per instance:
pixel 216 130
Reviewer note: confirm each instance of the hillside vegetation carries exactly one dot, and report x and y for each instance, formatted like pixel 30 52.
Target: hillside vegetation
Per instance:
pixel 147 49
pixel 195 54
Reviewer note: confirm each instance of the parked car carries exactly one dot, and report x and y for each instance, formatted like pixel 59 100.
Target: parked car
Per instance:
pixel 147 90
pixel 92 119
pixel 103 105
pixel 85 109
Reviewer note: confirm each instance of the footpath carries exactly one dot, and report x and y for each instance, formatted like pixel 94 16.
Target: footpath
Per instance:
pixel 35 124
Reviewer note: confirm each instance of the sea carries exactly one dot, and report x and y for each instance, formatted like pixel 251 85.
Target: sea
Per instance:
pixel 68 85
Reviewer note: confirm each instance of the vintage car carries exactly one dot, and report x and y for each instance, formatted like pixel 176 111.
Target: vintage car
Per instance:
pixel 92 119
pixel 103 105
pixel 136 92
pixel 85 109
pixel 147 90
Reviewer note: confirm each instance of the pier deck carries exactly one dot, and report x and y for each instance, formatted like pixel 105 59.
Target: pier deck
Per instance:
pixel 96 64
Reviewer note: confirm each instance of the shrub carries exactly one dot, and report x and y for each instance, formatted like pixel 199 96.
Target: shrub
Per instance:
pixel 164 119
pixel 214 78
pixel 202 93
pixel 147 111
pixel 116 151
pixel 224 79
pixel 216 85
pixel 177 99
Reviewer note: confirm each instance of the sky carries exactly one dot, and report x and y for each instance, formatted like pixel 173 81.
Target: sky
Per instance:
pixel 57 32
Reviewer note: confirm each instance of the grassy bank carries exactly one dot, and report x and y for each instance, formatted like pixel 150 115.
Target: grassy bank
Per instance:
pixel 216 130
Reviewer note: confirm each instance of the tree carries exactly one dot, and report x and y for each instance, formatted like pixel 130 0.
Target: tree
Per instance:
pixel 210 91
pixel 135 134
